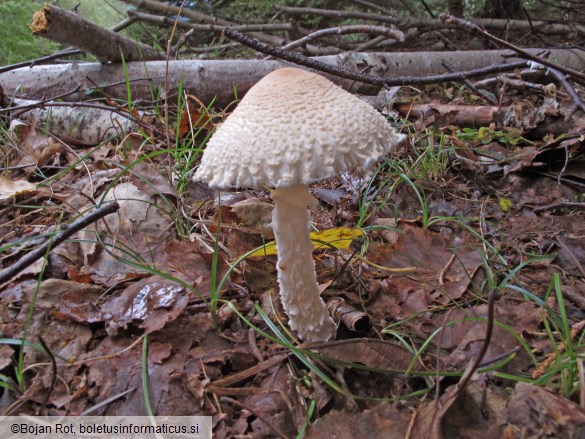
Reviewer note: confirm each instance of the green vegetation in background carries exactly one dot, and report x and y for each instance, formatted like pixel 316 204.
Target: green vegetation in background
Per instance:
pixel 105 13
pixel 17 43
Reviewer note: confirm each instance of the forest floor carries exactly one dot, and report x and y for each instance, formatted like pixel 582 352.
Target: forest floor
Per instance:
pixel 458 227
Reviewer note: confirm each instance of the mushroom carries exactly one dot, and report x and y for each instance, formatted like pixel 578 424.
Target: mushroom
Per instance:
pixel 291 129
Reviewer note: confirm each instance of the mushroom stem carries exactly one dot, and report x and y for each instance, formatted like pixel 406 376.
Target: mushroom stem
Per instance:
pixel 297 278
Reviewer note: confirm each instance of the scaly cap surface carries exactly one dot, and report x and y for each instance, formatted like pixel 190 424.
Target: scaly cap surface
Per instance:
pixel 294 127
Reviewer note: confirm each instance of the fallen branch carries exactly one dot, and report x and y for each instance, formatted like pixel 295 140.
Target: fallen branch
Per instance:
pixel 475 116
pixel 344 30
pixel 162 20
pixel 427 24
pixel 381 9
pixel 66 232
pixel 212 80
pixel 79 123
pixel 361 77
pixel 62 26
pixel 198 17
pixel 560 205
pixel 337 14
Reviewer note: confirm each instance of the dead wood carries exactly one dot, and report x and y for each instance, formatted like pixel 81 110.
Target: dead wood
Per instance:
pixel 503 43
pixel 475 116
pixel 460 115
pixel 209 79
pixel 342 30
pixel 218 29
pixel 428 24
pixel 162 20
pixel 386 81
pixel 542 27
pixel 69 28
pixel 383 18
pixel 63 53
pixel 382 9
pixel 197 17
pixel 78 124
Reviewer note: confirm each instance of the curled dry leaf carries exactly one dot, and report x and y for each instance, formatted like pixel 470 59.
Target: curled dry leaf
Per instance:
pixel 36 148
pixel 351 317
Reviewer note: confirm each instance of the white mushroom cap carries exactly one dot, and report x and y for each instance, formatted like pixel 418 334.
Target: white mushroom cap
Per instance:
pixel 294 127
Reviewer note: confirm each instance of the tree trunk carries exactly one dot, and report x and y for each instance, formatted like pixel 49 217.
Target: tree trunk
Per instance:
pixel 507 9
pixel 456 8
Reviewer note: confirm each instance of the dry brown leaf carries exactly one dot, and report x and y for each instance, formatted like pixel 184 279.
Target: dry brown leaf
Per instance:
pixel 379 354
pixel 384 421
pixel 534 413
pixel 439 278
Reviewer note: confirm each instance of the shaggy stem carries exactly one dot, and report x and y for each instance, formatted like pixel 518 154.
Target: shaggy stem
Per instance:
pixel 296 269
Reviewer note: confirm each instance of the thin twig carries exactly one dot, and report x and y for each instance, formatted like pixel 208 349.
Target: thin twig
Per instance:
pixel 555 206
pixel 53 374
pixel 107 401
pixel 181 41
pixel 343 30
pixel 43 59
pixel 493 295
pixel 196 27
pixel 338 14
pixel 59 238
pixel 375 7
pixel 484 93
pixel 369 44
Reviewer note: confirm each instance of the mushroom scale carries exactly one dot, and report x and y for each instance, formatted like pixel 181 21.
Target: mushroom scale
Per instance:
pixel 291 129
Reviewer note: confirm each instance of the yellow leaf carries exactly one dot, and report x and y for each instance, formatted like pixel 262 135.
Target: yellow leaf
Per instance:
pixel 338 237
pixel 505 203
pixel 266 250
